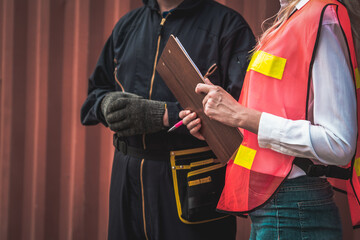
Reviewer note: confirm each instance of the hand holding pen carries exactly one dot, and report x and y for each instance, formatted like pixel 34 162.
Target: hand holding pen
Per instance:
pixel 210 71
pixel 178 124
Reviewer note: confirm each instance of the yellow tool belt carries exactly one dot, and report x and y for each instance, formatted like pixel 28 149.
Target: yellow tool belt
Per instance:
pixel 198 182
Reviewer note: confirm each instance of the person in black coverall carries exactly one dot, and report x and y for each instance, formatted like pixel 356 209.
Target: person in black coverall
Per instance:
pixel 126 94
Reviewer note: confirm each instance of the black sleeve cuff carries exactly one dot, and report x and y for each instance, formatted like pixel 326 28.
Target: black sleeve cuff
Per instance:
pixel 173 112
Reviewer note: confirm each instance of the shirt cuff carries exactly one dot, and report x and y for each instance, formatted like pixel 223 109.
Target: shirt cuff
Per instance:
pixel 270 130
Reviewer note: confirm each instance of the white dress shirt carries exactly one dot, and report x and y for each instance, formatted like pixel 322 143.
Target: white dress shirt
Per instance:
pixel 329 134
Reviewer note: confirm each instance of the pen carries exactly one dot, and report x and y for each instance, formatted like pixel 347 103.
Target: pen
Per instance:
pixel 178 124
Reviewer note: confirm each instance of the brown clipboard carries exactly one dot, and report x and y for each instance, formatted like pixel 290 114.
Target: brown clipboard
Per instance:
pixel 181 76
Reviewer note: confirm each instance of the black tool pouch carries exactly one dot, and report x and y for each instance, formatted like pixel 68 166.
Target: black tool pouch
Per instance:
pixel 198 182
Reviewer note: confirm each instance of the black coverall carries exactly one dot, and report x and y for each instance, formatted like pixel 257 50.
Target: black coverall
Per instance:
pixel 142 199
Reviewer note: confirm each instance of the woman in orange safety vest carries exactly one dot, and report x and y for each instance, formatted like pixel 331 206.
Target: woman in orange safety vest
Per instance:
pixel 298 115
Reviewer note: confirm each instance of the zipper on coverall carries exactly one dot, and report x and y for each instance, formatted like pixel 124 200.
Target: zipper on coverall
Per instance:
pixel 150 93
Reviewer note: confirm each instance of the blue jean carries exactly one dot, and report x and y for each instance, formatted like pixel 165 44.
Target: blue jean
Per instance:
pixel 303 208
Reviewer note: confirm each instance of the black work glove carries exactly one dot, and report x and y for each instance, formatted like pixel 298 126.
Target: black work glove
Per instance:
pixel 128 114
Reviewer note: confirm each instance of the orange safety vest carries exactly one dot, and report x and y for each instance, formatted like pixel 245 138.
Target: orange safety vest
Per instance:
pixel 277 82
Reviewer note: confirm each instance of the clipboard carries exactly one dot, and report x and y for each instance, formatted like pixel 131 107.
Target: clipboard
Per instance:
pixel 181 75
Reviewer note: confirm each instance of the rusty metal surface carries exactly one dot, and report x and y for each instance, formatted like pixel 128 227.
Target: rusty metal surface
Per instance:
pixel 55 173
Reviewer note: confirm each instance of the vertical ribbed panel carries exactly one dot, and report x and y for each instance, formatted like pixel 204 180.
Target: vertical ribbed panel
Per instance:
pixel 7 66
pixel 55 173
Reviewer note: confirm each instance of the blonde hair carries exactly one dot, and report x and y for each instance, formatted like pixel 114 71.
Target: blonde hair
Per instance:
pixel 280 19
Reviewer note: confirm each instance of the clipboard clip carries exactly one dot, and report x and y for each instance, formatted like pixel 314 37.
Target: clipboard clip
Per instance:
pixel 211 70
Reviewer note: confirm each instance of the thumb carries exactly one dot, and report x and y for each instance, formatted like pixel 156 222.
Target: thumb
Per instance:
pixel 207 81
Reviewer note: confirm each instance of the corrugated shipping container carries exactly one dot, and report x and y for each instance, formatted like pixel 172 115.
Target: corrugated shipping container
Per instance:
pixel 55 173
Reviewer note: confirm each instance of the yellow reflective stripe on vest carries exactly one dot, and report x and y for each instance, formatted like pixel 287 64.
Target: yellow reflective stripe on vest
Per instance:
pixel 267 64
pixel 357 78
pixel 245 157
pixel 357 166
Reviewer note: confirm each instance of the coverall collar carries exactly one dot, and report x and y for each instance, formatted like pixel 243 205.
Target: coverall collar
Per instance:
pixel 185 5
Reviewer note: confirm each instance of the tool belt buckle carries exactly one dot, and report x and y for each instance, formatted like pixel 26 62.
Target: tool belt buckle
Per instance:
pixel 120 145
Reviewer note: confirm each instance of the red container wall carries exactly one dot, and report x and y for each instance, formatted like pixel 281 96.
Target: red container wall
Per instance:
pixel 55 173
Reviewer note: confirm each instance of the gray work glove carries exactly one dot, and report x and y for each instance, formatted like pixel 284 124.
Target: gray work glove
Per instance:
pixel 111 97
pixel 128 114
